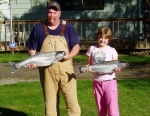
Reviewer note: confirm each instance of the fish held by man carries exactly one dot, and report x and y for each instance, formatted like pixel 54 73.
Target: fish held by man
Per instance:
pixel 105 67
pixel 40 59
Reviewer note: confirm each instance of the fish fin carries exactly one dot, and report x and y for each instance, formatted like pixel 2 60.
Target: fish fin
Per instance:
pixel 37 53
pixel 26 66
pixel 79 71
pixel 54 62
pixel 14 68
pixel 109 62
pixel 79 74
pixel 12 63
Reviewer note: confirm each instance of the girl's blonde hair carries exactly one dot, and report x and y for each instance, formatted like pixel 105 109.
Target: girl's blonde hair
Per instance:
pixel 104 31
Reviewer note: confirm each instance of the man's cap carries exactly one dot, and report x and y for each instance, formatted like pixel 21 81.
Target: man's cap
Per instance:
pixel 54 4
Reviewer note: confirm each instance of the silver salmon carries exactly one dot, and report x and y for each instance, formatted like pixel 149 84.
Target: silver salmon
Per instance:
pixel 40 59
pixel 105 67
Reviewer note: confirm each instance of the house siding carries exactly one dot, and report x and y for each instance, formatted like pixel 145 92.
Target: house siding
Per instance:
pixel 27 10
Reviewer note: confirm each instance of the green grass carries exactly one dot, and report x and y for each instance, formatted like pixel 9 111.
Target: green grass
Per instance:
pixel 134 58
pixel 8 57
pixel 24 99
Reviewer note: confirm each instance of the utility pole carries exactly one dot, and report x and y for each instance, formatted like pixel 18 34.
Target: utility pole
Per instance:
pixel 12 43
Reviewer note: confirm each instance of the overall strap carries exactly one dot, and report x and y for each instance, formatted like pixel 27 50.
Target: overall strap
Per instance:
pixel 63 28
pixel 45 28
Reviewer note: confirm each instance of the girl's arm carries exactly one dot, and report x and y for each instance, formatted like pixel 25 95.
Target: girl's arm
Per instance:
pixel 89 62
pixel 116 69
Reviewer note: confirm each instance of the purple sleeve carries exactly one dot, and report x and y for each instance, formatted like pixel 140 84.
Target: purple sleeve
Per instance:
pixel 36 37
pixel 71 36
pixel 32 42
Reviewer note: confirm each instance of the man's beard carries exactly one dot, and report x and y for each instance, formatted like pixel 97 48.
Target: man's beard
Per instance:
pixel 50 18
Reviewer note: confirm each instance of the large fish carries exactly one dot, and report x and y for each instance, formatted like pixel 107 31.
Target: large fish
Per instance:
pixel 40 59
pixel 105 67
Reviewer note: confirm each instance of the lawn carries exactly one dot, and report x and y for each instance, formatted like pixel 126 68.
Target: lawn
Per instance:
pixel 26 99
pixel 8 57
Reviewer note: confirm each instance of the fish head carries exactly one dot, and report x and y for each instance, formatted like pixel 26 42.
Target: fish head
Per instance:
pixel 123 65
pixel 60 55
pixel 126 64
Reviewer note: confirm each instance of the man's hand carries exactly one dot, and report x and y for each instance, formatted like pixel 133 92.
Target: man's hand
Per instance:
pixel 31 53
pixel 32 65
pixel 66 57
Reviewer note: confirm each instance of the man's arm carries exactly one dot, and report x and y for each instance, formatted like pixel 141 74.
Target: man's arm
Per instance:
pixel 31 52
pixel 74 51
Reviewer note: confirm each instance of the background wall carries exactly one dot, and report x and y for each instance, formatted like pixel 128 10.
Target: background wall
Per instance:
pixel 31 10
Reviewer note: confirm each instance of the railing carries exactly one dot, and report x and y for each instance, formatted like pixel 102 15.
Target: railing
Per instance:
pixel 127 33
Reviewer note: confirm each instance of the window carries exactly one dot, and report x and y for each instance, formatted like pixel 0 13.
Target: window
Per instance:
pixel 81 4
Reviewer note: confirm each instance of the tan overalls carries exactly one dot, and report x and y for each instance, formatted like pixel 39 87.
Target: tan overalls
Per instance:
pixel 58 76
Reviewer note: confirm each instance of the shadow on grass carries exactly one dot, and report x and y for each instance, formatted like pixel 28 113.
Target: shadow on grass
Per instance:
pixel 10 112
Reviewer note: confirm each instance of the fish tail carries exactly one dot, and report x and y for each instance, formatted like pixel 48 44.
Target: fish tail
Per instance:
pixel 14 68
pixel 78 74
pixel 80 70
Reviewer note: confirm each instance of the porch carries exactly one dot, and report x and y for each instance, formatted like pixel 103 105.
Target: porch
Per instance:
pixel 127 33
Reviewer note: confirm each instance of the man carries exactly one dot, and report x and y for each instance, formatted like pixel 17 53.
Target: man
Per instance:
pixel 56 35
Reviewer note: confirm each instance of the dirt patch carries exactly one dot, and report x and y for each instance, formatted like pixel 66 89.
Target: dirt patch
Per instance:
pixel 27 75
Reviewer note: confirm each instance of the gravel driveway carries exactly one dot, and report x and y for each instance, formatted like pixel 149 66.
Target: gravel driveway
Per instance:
pixel 27 75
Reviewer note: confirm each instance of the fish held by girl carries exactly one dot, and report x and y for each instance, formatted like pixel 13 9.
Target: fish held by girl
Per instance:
pixel 105 67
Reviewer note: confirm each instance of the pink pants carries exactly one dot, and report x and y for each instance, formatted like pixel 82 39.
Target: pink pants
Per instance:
pixel 106 97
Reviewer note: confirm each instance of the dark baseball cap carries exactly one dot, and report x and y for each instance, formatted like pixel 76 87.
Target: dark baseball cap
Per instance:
pixel 54 4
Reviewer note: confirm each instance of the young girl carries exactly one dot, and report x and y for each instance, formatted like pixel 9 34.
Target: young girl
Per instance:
pixel 104 85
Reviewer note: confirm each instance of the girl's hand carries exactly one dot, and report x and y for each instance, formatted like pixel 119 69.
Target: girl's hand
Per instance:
pixel 88 69
pixel 117 69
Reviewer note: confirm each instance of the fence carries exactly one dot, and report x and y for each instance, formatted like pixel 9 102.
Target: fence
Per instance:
pixel 127 33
